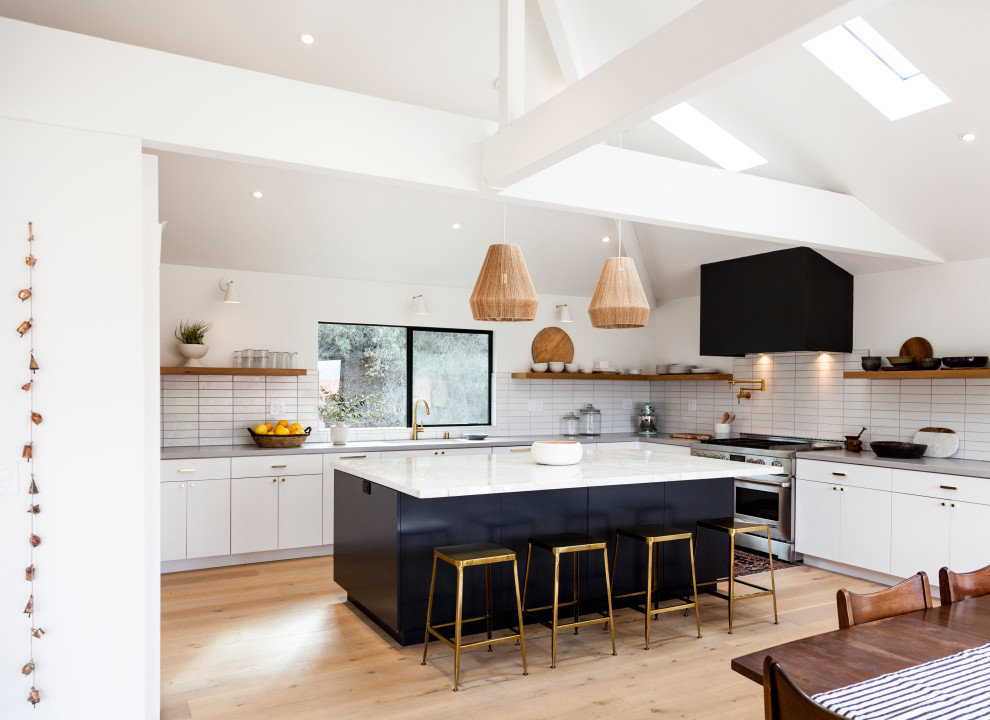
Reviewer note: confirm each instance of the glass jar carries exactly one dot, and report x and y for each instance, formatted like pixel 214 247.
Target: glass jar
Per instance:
pixel 261 358
pixel 569 424
pixel 238 359
pixel 591 420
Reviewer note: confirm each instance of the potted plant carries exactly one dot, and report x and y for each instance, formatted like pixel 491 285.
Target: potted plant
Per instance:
pixel 190 336
pixel 336 411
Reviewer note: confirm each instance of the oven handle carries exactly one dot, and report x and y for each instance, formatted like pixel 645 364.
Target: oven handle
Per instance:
pixel 743 482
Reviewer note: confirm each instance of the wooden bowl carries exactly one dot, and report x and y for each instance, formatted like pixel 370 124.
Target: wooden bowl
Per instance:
pixel 890 449
pixel 901 361
pixel 279 441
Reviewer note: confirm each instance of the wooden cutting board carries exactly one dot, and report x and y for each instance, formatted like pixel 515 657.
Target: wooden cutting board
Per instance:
pixel 552 345
pixel 916 347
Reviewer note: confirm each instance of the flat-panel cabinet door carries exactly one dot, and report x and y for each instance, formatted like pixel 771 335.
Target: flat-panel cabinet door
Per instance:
pixel 864 528
pixel 968 546
pixel 919 537
pixel 208 518
pixel 253 514
pixel 328 509
pixel 173 520
pixel 817 519
pixel 300 511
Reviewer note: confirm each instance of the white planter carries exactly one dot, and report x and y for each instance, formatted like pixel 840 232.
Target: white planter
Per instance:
pixel 338 434
pixel 192 353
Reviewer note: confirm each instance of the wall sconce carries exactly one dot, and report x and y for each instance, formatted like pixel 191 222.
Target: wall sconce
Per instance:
pixel 565 313
pixel 419 304
pixel 229 291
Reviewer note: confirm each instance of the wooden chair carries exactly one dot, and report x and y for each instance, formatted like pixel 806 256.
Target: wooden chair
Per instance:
pixel 783 700
pixel 954 587
pixel 908 596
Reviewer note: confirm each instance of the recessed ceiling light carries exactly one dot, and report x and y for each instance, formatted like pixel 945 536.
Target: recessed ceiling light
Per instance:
pixel 257 194
pixel 307 38
pixel 968 136
pixel 456 226
pixel 606 238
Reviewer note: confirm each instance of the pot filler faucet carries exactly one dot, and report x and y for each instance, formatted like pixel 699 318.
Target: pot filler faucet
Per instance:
pixel 747 392
pixel 418 427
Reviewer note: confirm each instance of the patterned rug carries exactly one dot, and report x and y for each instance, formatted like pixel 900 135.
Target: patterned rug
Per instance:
pixel 750 563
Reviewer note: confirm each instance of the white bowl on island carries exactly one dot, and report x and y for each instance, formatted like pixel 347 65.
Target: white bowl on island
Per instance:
pixel 556 452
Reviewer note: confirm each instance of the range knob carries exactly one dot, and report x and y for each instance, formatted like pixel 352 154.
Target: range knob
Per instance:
pixel 756 461
pixel 777 463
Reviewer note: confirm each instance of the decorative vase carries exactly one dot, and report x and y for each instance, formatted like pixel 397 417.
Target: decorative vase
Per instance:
pixel 338 433
pixel 192 353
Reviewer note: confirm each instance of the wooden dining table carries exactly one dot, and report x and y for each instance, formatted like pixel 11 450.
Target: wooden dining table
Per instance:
pixel 842 657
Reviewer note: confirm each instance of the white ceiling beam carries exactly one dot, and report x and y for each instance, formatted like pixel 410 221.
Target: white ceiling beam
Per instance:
pixel 175 102
pixel 560 27
pixel 630 248
pixel 511 61
pixel 713 42
pixel 635 186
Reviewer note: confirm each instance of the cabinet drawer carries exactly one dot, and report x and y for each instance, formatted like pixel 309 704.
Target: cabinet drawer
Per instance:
pixel 347 457
pixel 268 465
pixel 946 487
pixel 862 476
pixel 202 469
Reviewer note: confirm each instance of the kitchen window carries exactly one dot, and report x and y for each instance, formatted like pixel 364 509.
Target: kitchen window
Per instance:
pixel 449 368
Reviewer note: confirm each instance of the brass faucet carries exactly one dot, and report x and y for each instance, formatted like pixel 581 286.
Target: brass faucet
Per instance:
pixel 418 427
pixel 745 393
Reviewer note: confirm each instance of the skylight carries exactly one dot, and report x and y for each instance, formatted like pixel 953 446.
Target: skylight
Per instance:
pixel 708 138
pixel 875 69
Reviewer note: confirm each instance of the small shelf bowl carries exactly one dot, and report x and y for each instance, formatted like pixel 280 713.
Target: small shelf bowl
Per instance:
pixel 901 361
pixel 903 450
pixel 929 363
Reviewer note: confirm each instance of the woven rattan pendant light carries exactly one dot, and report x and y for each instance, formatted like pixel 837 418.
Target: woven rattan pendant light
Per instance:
pixel 504 292
pixel 619 300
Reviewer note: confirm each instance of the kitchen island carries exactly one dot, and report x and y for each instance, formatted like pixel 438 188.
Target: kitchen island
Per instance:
pixel 390 514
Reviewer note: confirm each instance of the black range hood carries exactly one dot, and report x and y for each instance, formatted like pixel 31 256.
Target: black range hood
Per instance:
pixel 782 301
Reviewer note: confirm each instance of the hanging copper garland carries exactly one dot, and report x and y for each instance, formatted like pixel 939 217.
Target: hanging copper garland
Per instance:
pixel 34 540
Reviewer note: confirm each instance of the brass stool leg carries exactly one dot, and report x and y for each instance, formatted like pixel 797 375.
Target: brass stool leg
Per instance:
pixel 556 598
pixel 694 586
pixel 649 589
pixel 429 610
pixel 773 584
pixel 519 607
pixel 457 626
pixel 576 595
pixel 529 554
pixel 732 575
pixel 608 596
pixel 488 601
pixel 615 560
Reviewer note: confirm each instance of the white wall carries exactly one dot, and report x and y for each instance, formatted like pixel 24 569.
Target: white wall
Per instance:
pixel 83 191
pixel 281 312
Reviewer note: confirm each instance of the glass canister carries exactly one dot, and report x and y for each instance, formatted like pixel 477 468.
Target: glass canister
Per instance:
pixel 569 424
pixel 591 420
pixel 238 358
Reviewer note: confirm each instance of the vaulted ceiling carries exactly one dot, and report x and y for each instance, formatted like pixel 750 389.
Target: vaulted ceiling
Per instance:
pixel 815 132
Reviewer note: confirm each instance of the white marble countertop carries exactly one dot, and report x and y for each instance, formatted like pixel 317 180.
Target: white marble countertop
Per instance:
pixel 448 476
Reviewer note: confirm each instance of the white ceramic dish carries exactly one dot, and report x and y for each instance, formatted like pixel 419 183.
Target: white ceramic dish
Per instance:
pixel 662 369
pixel 571 367
pixel 679 369
pixel 556 367
pixel 563 452
pixel 704 370
pixel 475 436
pixel 540 367
pixel 634 371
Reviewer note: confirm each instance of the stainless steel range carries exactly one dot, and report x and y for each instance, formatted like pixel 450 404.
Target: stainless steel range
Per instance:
pixel 768 498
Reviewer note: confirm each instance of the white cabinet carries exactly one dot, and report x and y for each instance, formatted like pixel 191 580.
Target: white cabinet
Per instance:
pixel 843 513
pixel 437 452
pixel 300 511
pixel 968 548
pixel 195 510
pixel 330 461
pixel 253 514
pixel 919 535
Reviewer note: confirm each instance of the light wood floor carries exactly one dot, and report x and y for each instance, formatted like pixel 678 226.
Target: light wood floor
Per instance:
pixel 278 640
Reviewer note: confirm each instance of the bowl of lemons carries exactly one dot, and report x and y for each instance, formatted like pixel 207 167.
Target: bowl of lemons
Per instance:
pixel 282 434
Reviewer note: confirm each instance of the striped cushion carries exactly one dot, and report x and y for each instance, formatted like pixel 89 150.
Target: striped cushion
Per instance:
pixel 952 688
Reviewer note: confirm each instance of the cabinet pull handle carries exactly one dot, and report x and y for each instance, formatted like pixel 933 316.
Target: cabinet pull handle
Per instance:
pixel 943 504
pixel 834 487
pixel 274 479
pixel 519 449
pixel 948 487
pixel 838 474
pixel 841 489
pixel 182 484
pixel 952 504
pixel 352 457
pixel 192 484
pixel 283 479
pixel 278 466
pixel 187 469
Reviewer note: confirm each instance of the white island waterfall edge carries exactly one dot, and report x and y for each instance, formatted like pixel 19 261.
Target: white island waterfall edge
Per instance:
pixel 452 476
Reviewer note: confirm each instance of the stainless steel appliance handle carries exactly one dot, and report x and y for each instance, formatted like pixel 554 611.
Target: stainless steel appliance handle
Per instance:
pixel 768 483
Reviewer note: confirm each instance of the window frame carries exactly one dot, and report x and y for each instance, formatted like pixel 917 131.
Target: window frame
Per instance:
pixel 410 329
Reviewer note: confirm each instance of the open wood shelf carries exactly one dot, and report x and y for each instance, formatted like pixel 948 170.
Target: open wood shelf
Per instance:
pixel 944 374
pixel 285 372
pixel 616 376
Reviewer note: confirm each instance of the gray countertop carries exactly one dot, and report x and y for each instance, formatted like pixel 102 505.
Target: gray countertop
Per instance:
pixel 949 466
pixel 193 452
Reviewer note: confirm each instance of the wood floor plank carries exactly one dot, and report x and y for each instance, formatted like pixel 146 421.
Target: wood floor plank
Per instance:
pixel 279 640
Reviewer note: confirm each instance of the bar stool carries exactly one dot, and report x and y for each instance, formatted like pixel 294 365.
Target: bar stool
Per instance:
pixel 733 527
pixel 462 556
pixel 655 535
pixel 560 544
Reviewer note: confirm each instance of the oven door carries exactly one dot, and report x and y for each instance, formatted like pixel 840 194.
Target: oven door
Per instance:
pixel 766 501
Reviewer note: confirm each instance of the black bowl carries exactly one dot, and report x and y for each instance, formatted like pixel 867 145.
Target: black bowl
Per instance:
pixel 871 362
pixel 966 361
pixel 928 363
pixel 890 449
